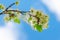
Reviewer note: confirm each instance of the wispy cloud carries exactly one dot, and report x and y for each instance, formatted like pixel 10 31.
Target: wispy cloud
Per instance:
pixel 53 5
pixel 9 32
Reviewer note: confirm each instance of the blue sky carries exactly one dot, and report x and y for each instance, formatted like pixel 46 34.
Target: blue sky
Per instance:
pixel 23 31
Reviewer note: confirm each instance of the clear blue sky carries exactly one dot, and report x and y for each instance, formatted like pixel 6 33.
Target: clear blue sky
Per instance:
pixel 53 31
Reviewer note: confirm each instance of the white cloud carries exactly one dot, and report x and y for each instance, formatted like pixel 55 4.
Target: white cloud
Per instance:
pixel 53 5
pixel 9 32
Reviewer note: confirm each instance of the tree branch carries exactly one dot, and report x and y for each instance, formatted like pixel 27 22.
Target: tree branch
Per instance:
pixel 7 8
pixel 6 12
pixel 10 6
pixel 1 13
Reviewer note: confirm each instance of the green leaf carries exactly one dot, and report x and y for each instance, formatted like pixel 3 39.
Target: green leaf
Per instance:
pixel 17 3
pixel 30 19
pixel 38 27
pixel 16 20
pixel 1 7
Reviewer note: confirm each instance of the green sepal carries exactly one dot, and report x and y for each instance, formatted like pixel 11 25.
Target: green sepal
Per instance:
pixel 29 19
pixel 34 22
pixel 16 2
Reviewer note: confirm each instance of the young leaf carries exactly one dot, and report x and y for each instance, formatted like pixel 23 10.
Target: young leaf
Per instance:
pixel 38 27
pixel 16 20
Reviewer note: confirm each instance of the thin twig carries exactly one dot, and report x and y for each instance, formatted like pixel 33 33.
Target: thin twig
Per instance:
pixel 7 8
pixel 10 6
pixel 22 12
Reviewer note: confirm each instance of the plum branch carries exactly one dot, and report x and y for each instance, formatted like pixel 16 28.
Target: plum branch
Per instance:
pixel 6 10
pixel 38 20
